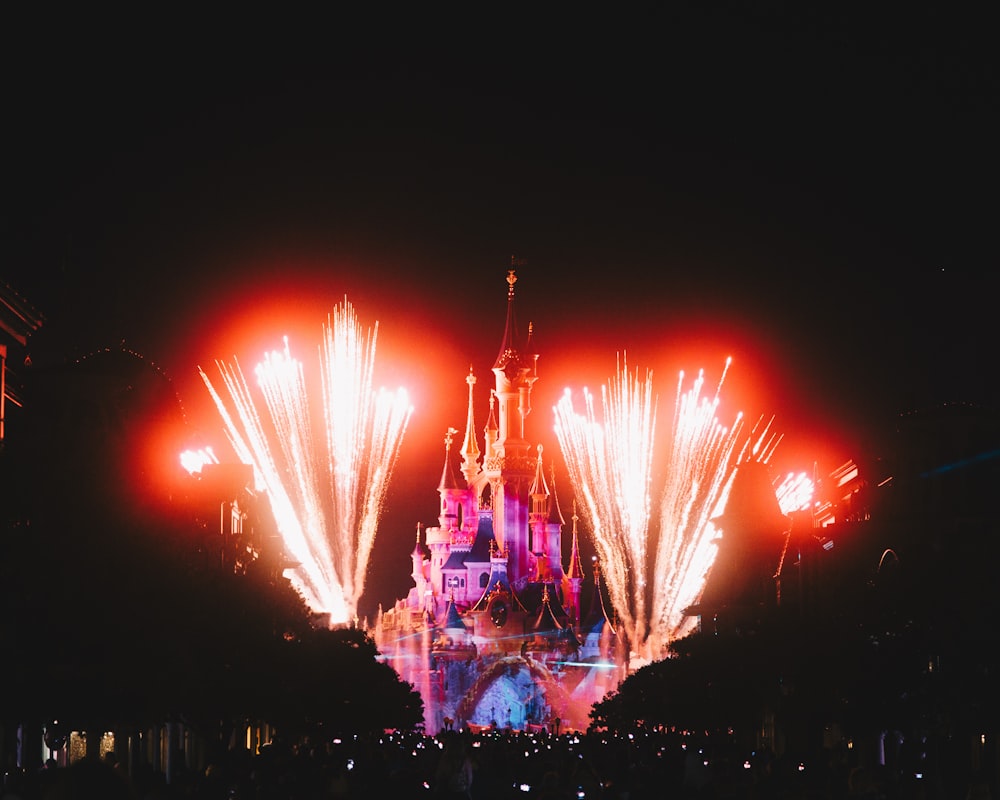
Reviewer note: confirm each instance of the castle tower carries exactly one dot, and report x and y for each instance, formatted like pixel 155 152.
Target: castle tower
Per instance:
pixel 574 577
pixel 491 431
pixel 509 465
pixel 439 538
pixel 545 523
pixel 418 574
pixel 449 489
pixel 538 517
pixel 470 449
pixel 553 534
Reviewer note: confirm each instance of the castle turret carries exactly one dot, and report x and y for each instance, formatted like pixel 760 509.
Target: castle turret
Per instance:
pixel 538 516
pixel 454 642
pixel 516 371
pixel 492 431
pixel 553 533
pixel 574 577
pixel 510 467
pixel 470 449
pixel 449 488
pixel 439 538
pixel 417 556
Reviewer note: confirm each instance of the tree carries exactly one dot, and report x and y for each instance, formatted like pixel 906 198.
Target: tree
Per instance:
pixel 111 617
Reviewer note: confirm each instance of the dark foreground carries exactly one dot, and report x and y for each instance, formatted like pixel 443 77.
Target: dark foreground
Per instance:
pixel 505 765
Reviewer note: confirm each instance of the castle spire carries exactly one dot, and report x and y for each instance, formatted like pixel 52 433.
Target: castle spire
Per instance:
pixel 575 567
pixel 470 449
pixel 598 616
pixel 516 370
pixel 509 348
pixel 417 559
pixel 490 432
pixel 539 490
pixel 555 512
pixel 509 464
pixel 448 479
pixel 574 576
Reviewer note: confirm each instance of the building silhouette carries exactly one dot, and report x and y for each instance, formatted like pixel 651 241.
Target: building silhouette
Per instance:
pixel 18 321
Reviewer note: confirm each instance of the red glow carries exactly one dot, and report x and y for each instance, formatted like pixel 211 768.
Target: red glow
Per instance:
pixel 247 317
pixel 430 335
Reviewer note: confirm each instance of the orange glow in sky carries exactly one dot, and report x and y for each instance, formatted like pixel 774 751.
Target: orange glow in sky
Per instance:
pixel 428 340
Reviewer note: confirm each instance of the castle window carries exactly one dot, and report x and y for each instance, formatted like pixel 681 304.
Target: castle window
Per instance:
pixel 484 578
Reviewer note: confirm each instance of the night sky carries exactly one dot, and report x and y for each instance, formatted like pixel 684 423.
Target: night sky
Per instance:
pixel 811 193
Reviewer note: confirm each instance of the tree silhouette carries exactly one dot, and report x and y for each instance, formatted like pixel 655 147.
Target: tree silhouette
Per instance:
pixel 111 616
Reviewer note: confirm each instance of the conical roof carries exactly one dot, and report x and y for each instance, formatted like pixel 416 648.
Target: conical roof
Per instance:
pixel 575 567
pixel 545 621
pixel 452 619
pixel 597 616
pixel 448 479
pixel 498 583
pixel 510 346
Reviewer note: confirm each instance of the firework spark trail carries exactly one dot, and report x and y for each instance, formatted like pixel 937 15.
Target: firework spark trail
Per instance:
pixel 251 444
pixel 346 377
pixel 326 494
pixel 630 414
pixel 282 383
pixel 610 466
pixel 696 486
pixel 592 473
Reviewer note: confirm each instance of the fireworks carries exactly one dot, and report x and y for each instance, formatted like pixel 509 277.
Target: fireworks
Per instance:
pixel 194 460
pixel 795 492
pixel 654 564
pixel 327 490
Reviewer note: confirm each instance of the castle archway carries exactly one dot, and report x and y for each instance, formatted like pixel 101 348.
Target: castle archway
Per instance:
pixel 513 692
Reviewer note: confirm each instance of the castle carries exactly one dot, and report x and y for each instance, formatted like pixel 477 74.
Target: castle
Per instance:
pixel 493 632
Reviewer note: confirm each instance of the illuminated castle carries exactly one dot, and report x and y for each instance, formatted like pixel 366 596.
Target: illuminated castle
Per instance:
pixel 492 632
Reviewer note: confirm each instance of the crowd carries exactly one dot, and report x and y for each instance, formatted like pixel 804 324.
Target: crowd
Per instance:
pixel 493 765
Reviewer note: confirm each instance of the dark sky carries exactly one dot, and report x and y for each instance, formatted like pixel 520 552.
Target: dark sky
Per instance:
pixel 811 192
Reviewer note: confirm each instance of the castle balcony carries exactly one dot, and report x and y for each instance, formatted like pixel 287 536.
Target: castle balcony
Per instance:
pixel 436 536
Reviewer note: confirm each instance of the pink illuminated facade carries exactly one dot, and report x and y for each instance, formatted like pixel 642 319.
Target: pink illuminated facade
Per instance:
pixel 491 633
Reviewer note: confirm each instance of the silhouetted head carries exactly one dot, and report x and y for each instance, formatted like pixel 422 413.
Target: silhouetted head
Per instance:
pixel 88 779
